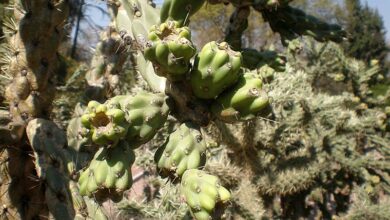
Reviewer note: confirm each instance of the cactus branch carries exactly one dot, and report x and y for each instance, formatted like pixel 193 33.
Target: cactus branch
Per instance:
pixel 238 23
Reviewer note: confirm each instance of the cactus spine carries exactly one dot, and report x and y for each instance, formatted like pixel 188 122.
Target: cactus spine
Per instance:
pixel 33 59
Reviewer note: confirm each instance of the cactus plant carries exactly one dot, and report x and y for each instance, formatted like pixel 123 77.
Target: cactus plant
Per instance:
pixel 170 49
pixel 204 194
pixel 315 152
pixel 179 11
pixel 184 150
pixel 104 124
pixel 216 68
pixel 108 173
pixel 145 112
pixel 243 102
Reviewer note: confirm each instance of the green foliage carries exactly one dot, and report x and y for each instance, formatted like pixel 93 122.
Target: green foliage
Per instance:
pixel 366 39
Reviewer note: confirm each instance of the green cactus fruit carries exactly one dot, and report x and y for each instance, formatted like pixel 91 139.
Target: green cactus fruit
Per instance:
pixel 103 124
pixel 204 194
pixel 184 149
pixel 110 169
pixel 216 68
pixel 170 50
pixel 146 113
pixel 179 10
pixel 244 101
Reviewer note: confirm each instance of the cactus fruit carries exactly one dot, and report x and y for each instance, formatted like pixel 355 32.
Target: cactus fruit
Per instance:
pixel 170 49
pixel 146 113
pixel 216 68
pixel 110 169
pixel 242 102
pixel 204 194
pixel 184 149
pixel 179 10
pixel 104 124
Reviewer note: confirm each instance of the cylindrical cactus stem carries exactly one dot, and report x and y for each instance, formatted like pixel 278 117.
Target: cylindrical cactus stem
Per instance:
pixel 186 107
pixel 34 59
pixel 292 22
pixel 137 17
pixel 19 187
pixel 238 23
pixel 52 164
pixel 179 10
pixel 9 130
pixel 107 63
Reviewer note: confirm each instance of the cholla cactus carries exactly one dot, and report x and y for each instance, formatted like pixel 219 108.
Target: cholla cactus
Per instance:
pixel 301 153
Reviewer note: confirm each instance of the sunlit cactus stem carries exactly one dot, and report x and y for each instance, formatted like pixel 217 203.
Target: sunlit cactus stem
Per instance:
pixel 33 59
pixel 33 38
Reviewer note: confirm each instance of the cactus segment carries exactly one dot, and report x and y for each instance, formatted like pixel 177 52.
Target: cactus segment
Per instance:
pixel 243 102
pixel 216 68
pixel 170 49
pixel 110 169
pixel 238 23
pixel 137 17
pixel 184 150
pixel 104 124
pixel 10 132
pixel 253 59
pixel 108 60
pixel 33 59
pixel 204 194
pixel 179 10
pixel 52 161
pixel 134 118
pixel 146 113
pixel 292 22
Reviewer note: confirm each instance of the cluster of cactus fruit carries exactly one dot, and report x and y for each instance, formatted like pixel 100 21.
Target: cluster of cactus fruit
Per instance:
pixel 222 82
pixel 215 76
